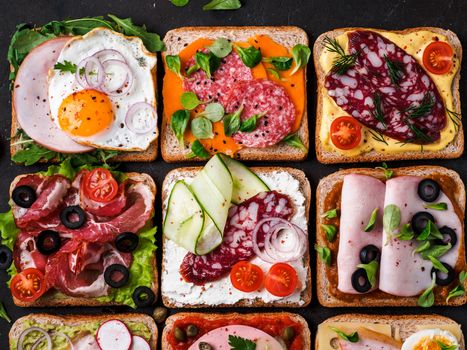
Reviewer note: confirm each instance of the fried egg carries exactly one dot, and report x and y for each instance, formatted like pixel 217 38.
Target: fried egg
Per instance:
pixel 429 339
pixel 92 109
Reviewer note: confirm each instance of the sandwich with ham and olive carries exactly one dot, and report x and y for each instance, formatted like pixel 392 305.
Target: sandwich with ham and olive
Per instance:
pixel 391 237
pixel 388 95
pixel 81 236
pixel 235 236
pixel 236 90
pixel 265 331
pixel 401 332
pixel 79 332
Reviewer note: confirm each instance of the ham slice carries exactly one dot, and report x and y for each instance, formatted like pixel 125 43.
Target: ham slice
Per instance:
pixel 403 273
pixel 361 194
pixel 370 340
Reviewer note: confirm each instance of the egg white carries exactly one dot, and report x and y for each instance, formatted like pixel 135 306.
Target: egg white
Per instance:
pixel 412 341
pixel 141 63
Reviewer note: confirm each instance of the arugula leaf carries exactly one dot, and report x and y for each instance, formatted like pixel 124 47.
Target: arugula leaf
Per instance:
pixel 32 154
pixel 174 64
pixel 189 100
pixel 178 123
pixel 201 128
pixel 294 141
pixel 388 173
pixel 330 231
pixel 250 124
pixel 427 298
pixel 330 214
pixel 372 221
pixel 180 3
pixel 78 26
pixel 198 150
pixel 4 314
pixel 352 337
pixel 221 47
pixel 301 55
pixel 232 122
pixel 371 270
pixel 406 233
pixel 391 218
pixel 324 253
pixel 222 5
pixel 66 66
pixel 250 56
pixel 280 63
pixel 436 206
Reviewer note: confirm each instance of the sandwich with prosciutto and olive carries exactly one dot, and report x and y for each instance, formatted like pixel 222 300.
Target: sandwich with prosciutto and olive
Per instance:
pixel 235 236
pixel 391 237
pixel 81 236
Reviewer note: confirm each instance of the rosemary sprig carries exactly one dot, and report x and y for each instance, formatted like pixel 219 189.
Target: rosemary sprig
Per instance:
pixel 395 69
pixel 378 112
pixel 422 109
pixel 343 62
pixel 419 134
pixel 378 136
pixel 455 118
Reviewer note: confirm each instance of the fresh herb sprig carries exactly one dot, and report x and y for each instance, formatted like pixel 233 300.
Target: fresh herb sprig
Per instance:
pixel 343 61
pixel 395 70
pixel 455 118
pixel 378 113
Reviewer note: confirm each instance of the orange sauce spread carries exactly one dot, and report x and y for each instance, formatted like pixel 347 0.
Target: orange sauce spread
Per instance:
pixel 294 85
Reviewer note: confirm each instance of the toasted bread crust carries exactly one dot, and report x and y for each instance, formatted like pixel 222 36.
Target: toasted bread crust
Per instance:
pixel 77 320
pixel 169 323
pixel 304 188
pixel 369 300
pixel 286 35
pixel 54 298
pixel 453 150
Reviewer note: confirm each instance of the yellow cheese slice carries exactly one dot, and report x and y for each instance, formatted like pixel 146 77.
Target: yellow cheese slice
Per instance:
pixel 455 329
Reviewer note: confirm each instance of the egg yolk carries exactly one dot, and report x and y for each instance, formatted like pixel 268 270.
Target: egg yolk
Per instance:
pixel 430 343
pixel 85 113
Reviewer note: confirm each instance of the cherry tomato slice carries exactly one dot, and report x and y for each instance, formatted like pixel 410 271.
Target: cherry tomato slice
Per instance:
pixel 246 276
pixel 437 57
pixel 281 280
pixel 346 133
pixel 28 285
pixel 100 186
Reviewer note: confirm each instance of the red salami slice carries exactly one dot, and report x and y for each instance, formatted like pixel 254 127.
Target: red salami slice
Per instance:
pixel 237 244
pixel 369 81
pixel 230 71
pixel 266 98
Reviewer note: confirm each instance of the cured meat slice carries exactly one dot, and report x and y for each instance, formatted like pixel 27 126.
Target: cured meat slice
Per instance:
pixel 270 101
pixel 361 194
pixel 26 255
pixel 402 272
pixel 367 86
pixel 231 70
pixel 365 344
pixel 77 269
pixel 50 192
pixel 30 101
pixel 237 244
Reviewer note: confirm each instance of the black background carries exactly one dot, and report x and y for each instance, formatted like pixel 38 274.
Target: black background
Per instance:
pixel 160 16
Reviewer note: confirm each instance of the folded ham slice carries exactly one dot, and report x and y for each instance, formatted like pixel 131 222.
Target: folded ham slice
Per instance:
pixel 361 194
pixel 403 273
pixel 369 339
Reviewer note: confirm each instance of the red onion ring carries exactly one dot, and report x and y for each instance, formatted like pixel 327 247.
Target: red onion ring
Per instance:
pixel 126 84
pixel 130 115
pixel 53 334
pixel 274 251
pixel 102 53
pixel 87 81
pixel 34 329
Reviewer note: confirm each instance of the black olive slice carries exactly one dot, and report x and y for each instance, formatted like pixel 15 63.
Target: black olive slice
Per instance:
pixel 73 217
pixel 428 190
pixel 116 275
pixel 126 242
pixel 369 253
pixel 443 279
pixel 143 296
pixel 6 257
pixel 420 220
pixel 360 281
pixel 48 242
pixel 24 196
pixel 449 236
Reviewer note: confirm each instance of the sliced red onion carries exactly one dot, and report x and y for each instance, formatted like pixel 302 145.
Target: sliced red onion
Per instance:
pixel 35 329
pixel 109 52
pixel 143 124
pixel 273 250
pixel 53 334
pixel 87 80
pixel 126 84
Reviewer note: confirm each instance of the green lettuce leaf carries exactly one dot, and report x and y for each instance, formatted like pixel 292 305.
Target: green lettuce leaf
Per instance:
pixel 9 232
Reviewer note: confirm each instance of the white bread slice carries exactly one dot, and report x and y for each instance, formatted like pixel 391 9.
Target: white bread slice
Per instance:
pixel 305 188
pixel 333 181
pixel 54 298
pixel 169 323
pixel 288 36
pixel 402 325
pixel 81 320
pixel 453 150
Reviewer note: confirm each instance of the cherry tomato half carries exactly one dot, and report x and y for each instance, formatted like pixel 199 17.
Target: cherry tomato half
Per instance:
pixel 246 276
pixel 28 285
pixel 437 57
pixel 281 280
pixel 346 133
pixel 100 186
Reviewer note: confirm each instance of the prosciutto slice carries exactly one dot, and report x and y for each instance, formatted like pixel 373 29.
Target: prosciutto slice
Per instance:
pixel 361 194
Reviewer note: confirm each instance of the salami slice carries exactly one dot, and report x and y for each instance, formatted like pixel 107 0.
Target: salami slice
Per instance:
pixel 387 78
pixel 230 71
pixel 270 101
pixel 237 244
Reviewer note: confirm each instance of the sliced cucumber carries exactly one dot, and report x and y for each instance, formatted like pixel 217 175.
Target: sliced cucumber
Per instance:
pixel 209 239
pixel 219 174
pixel 246 183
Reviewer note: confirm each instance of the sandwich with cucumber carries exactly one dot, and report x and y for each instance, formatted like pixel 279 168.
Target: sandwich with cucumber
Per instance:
pixel 235 236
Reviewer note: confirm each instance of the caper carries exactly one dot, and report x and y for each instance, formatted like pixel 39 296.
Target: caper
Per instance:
pixel 160 314
pixel 205 346
pixel 288 333
pixel 179 334
pixel 191 331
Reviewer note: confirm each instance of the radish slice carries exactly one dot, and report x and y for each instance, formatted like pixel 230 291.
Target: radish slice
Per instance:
pixel 114 335
pixel 139 343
